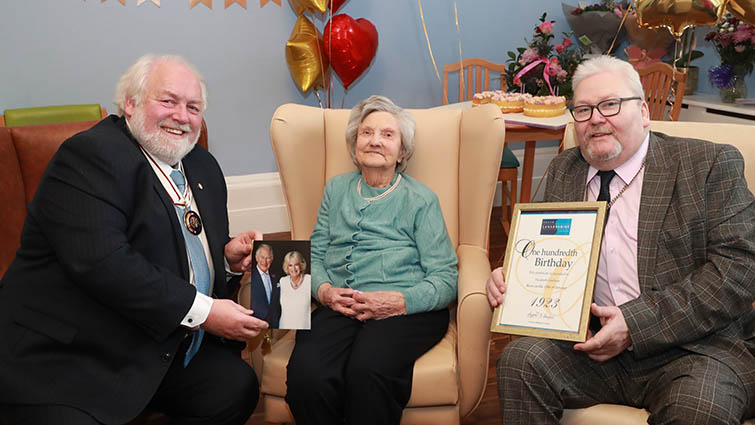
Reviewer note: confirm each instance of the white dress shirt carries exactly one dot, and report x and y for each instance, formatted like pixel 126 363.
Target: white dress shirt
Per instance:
pixel 617 280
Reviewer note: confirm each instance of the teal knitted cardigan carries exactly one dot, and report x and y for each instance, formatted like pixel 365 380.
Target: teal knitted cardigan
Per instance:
pixel 398 243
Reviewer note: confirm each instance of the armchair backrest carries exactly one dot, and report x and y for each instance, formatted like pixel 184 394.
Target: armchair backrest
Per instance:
pixel 457 155
pixel 52 115
pixel 740 136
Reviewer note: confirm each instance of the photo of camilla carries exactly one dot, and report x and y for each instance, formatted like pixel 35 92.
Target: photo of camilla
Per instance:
pixel 281 288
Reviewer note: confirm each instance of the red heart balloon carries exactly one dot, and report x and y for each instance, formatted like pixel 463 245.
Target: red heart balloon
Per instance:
pixel 336 5
pixel 350 45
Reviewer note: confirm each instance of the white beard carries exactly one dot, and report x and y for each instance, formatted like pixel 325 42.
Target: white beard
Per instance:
pixel 165 148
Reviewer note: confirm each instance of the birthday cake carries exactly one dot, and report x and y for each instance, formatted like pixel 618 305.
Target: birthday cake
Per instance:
pixel 512 102
pixel 545 106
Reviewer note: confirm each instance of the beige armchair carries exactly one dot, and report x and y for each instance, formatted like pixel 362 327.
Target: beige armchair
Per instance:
pixel 739 135
pixel 457 155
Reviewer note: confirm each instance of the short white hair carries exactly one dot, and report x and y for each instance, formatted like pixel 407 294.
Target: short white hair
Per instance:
pixel 133 82
pixel 603 63
pixel 375 103
pixel 264 246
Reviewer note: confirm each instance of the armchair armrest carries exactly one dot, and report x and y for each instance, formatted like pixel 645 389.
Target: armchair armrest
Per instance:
pixel 473 316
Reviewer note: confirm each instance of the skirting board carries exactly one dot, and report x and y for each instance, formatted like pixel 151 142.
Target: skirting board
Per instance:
pixel 255 201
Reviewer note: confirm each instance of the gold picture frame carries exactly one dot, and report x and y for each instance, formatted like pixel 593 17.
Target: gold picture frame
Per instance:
pixel 550 267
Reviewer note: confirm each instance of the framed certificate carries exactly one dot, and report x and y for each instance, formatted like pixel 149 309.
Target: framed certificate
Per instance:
pixel 550 266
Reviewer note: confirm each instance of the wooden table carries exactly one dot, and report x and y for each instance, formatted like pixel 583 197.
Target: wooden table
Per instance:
pixel 529 130
pixel 530 136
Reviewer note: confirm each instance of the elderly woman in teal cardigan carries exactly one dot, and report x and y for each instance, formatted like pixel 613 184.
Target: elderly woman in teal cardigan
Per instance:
pixel 384 273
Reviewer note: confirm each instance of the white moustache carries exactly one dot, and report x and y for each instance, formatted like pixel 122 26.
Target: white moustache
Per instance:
pixel 169 123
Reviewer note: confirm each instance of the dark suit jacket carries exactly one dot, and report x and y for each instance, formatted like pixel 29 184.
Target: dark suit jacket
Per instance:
pixel 269 312
pixel 90 309
pixel 695 250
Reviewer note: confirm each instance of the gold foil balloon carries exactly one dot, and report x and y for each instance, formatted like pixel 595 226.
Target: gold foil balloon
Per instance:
pixel 313 5
pixel 743 9
pixel 305 56
pixel 677 15
pixel 646 38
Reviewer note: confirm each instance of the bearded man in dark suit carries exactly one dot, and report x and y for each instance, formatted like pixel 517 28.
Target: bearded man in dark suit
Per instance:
pixel 676 275
pixel 118 299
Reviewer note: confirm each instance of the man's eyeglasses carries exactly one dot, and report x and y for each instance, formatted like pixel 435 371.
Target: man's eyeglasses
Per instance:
pixel 607 108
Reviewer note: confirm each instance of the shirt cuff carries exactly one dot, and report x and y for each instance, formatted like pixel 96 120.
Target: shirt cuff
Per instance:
pixel 198 312
pixel 228 272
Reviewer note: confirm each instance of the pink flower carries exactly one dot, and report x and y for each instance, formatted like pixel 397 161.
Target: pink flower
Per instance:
pixel 545 27
pixel 559 48
pixel 561 75
pixel 567 42
pixel 741 35
pixel 528 56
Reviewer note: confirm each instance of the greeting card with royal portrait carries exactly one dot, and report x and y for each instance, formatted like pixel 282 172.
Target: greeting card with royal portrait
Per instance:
pixel 280 287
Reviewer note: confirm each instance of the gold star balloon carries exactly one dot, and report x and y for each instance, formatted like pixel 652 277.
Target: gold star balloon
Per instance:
pixel 305 56
pixel 743 9
pixel 678 15
pixel 313 5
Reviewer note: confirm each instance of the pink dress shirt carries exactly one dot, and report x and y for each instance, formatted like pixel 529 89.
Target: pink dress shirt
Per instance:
pixel 617 281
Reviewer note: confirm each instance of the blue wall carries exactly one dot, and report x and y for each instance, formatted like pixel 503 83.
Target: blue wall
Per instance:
pixel 73 51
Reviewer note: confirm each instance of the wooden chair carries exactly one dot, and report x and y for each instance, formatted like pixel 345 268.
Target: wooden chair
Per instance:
pixel 477 75
pixel 657 81
pixel 456 156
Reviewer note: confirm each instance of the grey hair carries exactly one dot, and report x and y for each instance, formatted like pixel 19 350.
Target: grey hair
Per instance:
pixel 374 103
pixel 133 82
pixel 291 255
pixel 264 246
pixel 611 64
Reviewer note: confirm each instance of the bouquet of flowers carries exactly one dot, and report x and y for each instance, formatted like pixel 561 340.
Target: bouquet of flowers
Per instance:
pixel 604 6
pixel 596 25
pixel 542 68
pixel 734 41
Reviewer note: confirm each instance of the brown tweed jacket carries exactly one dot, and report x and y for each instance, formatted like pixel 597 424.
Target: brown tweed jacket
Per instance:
pixel 695 250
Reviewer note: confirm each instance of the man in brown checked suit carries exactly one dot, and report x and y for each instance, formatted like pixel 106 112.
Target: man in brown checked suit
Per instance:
pixel 676 276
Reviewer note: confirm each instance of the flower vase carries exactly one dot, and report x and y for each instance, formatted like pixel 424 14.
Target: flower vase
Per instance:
pixel 736 90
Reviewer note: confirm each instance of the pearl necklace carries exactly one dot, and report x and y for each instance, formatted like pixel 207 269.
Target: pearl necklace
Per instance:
pixel 382 195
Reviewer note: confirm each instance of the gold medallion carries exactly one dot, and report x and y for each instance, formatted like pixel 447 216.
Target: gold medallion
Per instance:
pixel 193 222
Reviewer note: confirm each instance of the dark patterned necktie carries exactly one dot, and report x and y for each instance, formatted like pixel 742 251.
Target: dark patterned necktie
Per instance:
pixel 603 195
pixel 605 183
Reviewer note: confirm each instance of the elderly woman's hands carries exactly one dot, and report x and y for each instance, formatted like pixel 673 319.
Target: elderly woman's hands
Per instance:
pixel 496 287
pixel 378 305
pixel 362 305
pixel 337 299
